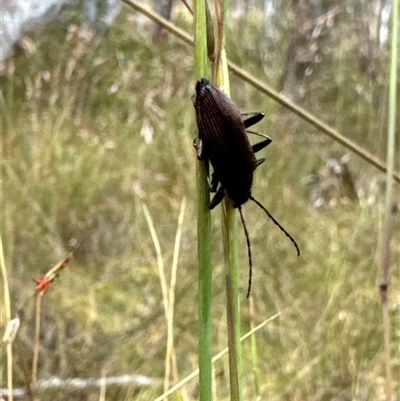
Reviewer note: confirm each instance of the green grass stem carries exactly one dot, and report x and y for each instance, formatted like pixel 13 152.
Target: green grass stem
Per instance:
pixel 231 263
pixel 203 223
pixel 229 231
pixel 254 350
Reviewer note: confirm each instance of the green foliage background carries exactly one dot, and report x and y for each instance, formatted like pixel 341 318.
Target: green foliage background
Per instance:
pixel 94 127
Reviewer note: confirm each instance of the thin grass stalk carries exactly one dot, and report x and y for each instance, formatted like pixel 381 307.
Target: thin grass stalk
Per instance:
pixel 389 202
pixel 171 296
pixel 270 92
pixel 36 348
pixel 254 352
pixel 231 263
pixel 103 385
pixel 203 222
pixel 7 312
pixel 229 231
pixel 164 290
pixel 160 262
pixel 9 369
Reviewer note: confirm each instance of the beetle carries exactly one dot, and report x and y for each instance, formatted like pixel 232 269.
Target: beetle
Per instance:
pixel 224 143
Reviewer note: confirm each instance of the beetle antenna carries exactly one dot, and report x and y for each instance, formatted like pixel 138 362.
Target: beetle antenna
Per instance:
pixel 277 223
pixel 246 233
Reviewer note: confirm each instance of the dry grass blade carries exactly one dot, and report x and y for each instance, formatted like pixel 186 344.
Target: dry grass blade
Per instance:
pixel 170 354
pixel 159 256
pixel 7 309
pixel 168 293
pixel 36 348
pixel 43 283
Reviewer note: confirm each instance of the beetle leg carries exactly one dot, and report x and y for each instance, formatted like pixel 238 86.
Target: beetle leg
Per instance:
pixel 261 145
pixel 217 197
pixel 250 119
pixel 213 183
pixel 198 145
pixel 249 131
pixel 260 161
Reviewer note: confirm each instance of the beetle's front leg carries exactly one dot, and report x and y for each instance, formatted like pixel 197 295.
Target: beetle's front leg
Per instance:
pixel 250 119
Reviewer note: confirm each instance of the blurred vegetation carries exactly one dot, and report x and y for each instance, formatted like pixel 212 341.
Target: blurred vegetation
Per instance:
pixel 94 127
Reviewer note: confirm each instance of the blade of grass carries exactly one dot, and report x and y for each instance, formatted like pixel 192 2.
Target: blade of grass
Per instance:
pixel 203 222
pixel 229 230
pixel 229 237
pixel 164 289
pixel 254 352
pixel 160 261
pixel 389 202
pixel 103 385
pixel 171 298
pixel 35 362
pixel 267 90
pixel 7 312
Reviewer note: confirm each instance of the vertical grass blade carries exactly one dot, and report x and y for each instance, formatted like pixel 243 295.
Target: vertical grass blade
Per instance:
pixel 229 232
pixel 254 351
pixel 231 262
pixel 203 223
pixel 7 311
pixel 36 349
pixel 389 203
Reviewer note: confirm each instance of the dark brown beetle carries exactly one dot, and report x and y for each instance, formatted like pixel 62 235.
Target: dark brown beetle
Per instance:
pixel 224 143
